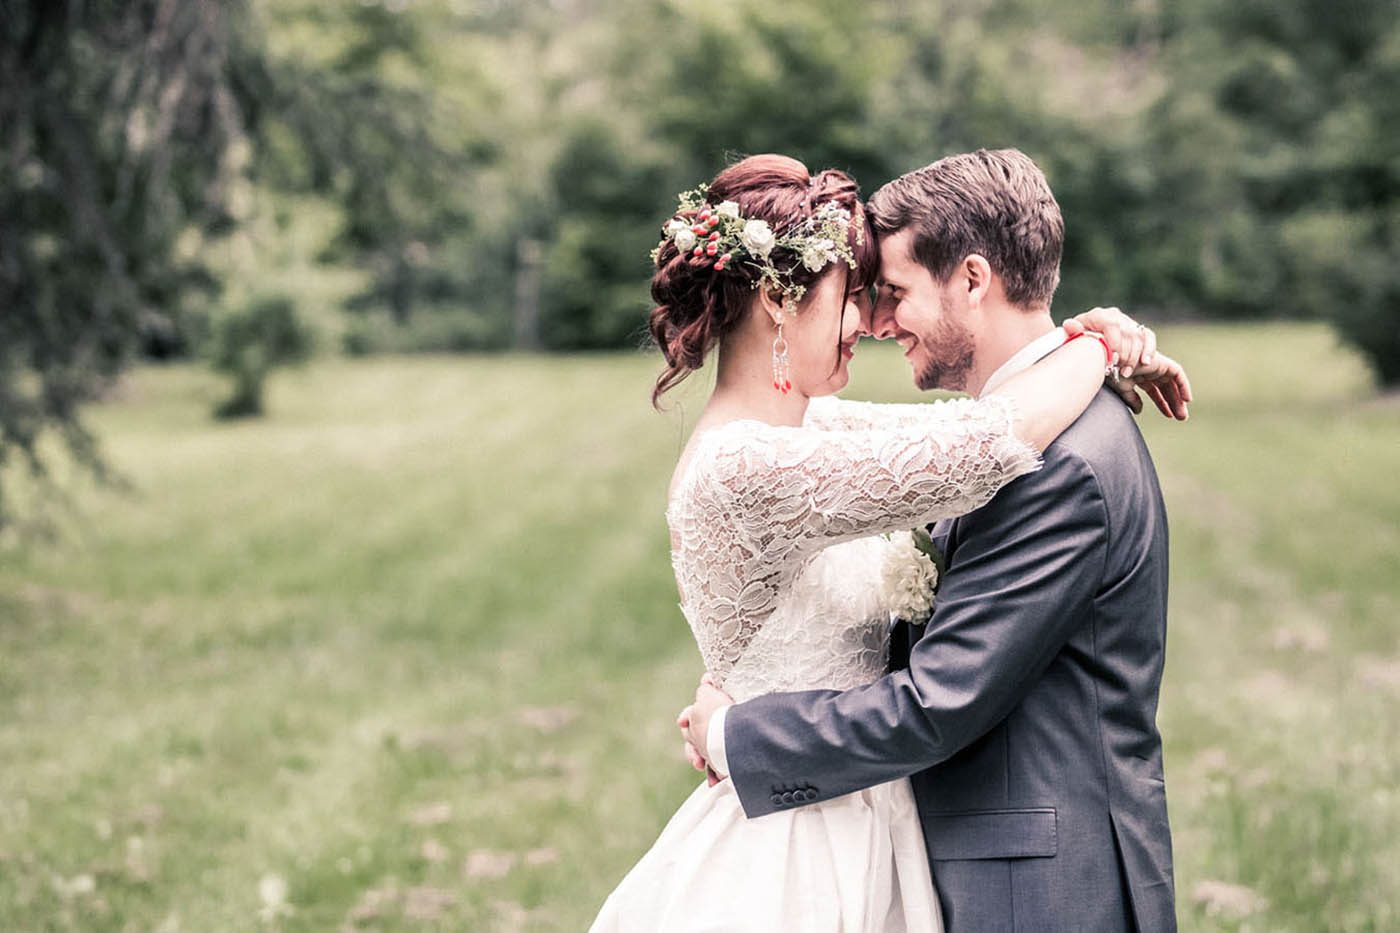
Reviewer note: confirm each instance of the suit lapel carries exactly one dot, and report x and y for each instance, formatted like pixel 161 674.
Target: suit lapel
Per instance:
pixel 944 535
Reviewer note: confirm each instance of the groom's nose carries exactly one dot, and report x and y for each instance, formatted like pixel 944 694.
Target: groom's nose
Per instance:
pixel 882 326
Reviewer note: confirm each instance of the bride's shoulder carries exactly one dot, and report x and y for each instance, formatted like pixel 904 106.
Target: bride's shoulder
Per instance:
pixel 738 454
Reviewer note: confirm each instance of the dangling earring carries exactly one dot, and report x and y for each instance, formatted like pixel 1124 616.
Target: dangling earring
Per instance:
pixel 782 377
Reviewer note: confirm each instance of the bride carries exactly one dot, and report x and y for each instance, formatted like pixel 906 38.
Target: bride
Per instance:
pixel 781 511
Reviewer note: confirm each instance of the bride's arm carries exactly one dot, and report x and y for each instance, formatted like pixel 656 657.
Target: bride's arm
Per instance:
pixel 1131 345
pixel 793 489
pixel 1049 396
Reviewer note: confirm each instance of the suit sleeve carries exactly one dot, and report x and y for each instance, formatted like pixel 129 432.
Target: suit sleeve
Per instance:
pixel 1024 576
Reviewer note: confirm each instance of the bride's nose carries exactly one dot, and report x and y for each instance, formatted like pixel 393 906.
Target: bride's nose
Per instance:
pixel 863 316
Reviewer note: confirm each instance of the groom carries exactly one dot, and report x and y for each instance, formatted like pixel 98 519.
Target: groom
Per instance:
pixel 1025 709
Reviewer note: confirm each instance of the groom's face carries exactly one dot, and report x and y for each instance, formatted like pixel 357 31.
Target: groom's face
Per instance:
pixel 923 315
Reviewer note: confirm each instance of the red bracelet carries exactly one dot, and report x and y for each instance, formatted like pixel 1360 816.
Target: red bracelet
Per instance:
pixel 1107 351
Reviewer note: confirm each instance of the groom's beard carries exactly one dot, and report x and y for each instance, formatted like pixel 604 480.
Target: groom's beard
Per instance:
pixel 948 353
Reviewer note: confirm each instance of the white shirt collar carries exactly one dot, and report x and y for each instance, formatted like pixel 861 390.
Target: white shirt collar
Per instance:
pixel 1026 357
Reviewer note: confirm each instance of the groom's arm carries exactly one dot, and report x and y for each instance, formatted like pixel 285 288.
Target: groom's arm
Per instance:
pixel 1026 570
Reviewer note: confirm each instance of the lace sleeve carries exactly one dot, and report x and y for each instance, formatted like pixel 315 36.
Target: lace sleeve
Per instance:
pixel 829 413
pixel 799 489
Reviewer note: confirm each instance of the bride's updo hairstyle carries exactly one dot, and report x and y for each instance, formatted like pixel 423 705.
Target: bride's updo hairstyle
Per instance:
pixel 697 304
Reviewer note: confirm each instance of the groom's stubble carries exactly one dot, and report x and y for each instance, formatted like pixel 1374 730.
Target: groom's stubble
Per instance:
pixel 950 351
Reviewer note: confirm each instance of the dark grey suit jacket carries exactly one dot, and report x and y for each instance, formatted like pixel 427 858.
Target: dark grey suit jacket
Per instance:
pixel 1026 712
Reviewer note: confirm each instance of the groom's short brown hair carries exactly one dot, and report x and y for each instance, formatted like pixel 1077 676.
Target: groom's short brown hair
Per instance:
pixel 995 203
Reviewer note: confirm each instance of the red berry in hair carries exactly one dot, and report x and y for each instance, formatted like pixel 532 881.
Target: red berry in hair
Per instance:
pixel 715 235
pixel 705 214
pixel 713 221
pixel 698 229
pixel 712 248
pixel 697 251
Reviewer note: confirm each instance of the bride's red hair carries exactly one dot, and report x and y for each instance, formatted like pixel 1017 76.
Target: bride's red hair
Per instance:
pixel 696 305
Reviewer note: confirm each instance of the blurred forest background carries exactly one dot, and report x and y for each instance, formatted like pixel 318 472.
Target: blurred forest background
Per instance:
pixel 249 182
pixel 406 652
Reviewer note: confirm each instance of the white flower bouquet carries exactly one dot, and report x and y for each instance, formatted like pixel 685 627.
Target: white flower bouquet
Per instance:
pixel 910 576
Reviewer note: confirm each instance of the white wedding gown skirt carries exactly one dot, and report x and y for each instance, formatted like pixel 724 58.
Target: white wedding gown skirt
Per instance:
pixel 855 864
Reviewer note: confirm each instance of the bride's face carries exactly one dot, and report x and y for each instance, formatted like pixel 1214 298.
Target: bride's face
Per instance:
pixel 822 335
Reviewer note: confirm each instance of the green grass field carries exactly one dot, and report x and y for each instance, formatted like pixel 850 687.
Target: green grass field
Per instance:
pixel 409 647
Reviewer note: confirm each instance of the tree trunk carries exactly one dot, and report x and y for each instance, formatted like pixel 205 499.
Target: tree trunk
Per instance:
pixel 528 256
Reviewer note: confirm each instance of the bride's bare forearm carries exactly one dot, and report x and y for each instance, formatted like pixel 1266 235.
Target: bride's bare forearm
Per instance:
pixel 1053 393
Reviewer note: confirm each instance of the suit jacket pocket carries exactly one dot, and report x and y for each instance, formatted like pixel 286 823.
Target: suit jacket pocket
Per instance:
pixel 991 834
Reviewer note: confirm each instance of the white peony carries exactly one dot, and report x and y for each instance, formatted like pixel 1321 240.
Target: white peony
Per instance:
pixel 758 238
pixel 684 237
pixel 728 209
pixel 676 226
pixel 908 578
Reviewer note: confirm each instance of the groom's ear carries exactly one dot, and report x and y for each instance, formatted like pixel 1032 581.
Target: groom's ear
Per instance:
pixel 977 276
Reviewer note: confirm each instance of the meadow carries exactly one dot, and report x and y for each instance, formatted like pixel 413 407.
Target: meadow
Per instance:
pixel 405 654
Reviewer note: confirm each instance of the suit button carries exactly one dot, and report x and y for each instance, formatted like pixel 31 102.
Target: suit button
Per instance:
pixel 787 797
pixel 777 800
pixel 809 795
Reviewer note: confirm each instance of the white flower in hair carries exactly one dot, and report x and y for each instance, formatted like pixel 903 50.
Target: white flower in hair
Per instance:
pixel 818 253
pixel 719 234
pixel 758 238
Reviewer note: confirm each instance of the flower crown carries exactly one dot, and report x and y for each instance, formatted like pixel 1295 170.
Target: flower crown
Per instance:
pixel 720 233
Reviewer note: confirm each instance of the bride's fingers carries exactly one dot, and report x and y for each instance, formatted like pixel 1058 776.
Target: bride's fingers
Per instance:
pixel 1184 381
pixel 1149 346
pixel 1154 392
pixel 1127 391
pixel 683 718
pixel 1130 356
pixel 1174 376
pixel 1113 334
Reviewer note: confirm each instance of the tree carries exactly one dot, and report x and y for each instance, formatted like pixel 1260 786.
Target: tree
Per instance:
pixel 121 142
pixel 133 136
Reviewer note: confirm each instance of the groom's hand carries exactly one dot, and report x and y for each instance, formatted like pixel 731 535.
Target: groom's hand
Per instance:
pixel 694 722
pixel 692 754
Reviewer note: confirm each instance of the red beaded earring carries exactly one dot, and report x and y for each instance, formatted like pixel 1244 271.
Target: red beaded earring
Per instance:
pixel 782 376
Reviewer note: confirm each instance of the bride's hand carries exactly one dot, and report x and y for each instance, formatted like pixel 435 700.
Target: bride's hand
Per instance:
pixel 1165 382
pixel 1132 344
pixel 1136 362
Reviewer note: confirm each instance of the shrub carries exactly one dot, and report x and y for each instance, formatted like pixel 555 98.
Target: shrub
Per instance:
pixel 249 343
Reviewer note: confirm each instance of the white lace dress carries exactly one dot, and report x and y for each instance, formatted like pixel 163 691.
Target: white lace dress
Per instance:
pixel 778 555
